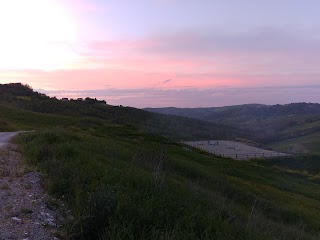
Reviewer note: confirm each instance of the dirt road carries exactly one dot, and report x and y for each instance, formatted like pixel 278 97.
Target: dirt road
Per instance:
pixel 5 137
pixel 26 210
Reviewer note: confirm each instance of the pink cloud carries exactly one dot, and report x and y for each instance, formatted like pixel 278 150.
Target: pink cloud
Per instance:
pixel 80 79
pixel 189 61
pixel 210 53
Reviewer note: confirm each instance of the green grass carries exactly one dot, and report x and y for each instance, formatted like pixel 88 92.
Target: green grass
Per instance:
pixel 49 111
pixel 144 186
pixel 309 143
pixel 305 166
pixel 263 123
pixel 122 182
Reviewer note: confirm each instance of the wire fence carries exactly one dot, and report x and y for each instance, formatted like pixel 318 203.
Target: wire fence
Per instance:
pixel 246 155
pixel 249 155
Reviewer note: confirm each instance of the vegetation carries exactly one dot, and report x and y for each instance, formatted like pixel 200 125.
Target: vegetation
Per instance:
pixel 306 144
pixel 307 163
pixel 274 126
pixel 178 128
pixel 126 185
pixel 123 182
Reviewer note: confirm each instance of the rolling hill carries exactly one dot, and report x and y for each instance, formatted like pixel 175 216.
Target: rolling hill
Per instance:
pixel 121 180
pixel 265 124
pixel 22 97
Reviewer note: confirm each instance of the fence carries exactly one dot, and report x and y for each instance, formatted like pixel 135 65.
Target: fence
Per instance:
pixel 248 155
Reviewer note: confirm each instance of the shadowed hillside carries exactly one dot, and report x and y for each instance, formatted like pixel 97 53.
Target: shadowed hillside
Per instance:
pixel 178 128
pixel 266 124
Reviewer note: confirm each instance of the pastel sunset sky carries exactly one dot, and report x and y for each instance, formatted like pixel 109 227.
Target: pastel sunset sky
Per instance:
pixel 157 53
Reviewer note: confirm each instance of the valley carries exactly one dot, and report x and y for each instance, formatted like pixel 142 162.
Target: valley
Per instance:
pixel 290 128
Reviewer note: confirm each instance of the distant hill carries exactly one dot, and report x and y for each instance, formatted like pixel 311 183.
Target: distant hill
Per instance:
pixel 261 111
pixel 266 124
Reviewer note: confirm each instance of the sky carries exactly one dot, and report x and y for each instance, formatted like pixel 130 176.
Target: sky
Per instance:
pixel 160 53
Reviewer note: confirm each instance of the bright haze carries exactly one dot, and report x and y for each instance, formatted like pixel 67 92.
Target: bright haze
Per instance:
pixel 156 53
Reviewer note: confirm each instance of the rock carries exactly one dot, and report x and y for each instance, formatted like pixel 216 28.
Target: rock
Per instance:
pixel 15 219
pixel 51 223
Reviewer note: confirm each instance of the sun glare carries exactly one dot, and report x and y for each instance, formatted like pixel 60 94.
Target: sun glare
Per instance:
pixel 36 34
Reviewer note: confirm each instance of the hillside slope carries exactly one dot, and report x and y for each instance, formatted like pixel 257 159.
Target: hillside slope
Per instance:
pixel 264 123
pixel 122 182
pixel 19 97
pixel 246 110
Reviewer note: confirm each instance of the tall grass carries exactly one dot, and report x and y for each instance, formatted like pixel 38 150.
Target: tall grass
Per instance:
pixel 124 184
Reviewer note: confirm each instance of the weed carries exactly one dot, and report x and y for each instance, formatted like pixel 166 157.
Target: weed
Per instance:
pixel 26 211
pixel 156 190
pixel 28 186
pixel 5 186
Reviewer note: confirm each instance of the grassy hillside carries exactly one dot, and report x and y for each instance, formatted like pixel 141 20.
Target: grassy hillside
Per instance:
pixel 16 97
pixel 305 144
pixel 126 184
pixel 265 124
pixel 122 182
pixel 307 165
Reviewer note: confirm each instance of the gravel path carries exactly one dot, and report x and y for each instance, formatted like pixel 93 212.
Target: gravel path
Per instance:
pixel 5 137
pixel 26 211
